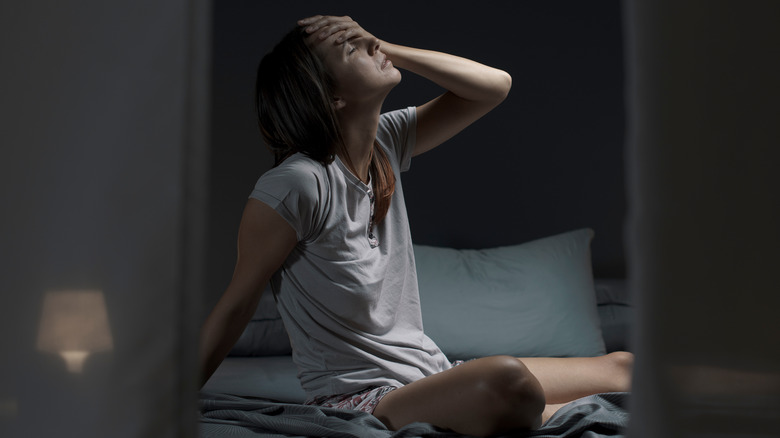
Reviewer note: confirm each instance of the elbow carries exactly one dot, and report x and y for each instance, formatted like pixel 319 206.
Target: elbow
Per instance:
pixel 503 83
pixel 506 81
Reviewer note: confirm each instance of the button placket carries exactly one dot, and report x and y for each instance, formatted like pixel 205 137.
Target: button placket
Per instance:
pixel 372 240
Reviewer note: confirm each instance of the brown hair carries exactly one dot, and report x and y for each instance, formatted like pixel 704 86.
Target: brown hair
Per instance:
pixel 294 95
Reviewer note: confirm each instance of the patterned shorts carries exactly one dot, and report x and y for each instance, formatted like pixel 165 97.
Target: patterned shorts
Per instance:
pixel 364 400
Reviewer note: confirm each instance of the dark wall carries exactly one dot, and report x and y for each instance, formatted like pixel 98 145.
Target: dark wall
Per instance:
pixel 548 160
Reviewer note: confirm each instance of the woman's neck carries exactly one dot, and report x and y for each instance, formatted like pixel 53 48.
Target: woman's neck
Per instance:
pixel 359 131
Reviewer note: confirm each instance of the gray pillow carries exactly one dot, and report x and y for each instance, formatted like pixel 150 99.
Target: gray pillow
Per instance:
pixel 532 299
pixel 616 312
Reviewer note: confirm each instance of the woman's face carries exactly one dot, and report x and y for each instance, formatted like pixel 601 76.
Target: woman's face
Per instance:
pixel 362 73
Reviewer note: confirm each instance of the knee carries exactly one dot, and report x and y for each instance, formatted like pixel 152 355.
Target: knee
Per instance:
pixel 515 395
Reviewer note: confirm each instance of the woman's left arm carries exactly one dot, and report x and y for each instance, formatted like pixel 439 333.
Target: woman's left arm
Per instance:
pixel 473 89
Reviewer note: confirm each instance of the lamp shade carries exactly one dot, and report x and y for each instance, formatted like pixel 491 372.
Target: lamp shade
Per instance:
pixel 74 324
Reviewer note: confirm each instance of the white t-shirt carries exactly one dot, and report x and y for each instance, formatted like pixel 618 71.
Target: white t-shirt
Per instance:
pixel 352 310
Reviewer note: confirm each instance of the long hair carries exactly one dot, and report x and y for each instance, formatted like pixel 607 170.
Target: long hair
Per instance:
pixel 294 100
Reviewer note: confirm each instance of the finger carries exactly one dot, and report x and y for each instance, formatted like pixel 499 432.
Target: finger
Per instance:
pixel 327 21
pixel 313 23
pixel 348 34
pixel 336 27
pixel 309 20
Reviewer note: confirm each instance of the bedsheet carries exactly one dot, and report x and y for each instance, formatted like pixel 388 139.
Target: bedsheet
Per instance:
pixel 596 416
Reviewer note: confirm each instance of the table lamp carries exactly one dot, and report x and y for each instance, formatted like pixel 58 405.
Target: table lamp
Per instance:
pixel 74 324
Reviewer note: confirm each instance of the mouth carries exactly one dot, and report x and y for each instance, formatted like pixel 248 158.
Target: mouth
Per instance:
pixel 385 63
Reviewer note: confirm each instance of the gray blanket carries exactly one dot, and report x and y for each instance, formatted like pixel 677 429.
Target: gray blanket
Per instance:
pixel 600 415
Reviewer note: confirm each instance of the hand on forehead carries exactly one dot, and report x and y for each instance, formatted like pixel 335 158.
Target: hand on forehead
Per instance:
pixel 336 29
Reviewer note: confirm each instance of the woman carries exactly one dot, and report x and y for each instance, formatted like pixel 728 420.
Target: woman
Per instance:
pixel 327 227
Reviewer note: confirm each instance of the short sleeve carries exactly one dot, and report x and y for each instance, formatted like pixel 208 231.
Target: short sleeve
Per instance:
pixel 397 133
pixel 295 190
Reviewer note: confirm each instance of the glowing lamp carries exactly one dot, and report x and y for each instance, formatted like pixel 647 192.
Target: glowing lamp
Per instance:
pixel 74 324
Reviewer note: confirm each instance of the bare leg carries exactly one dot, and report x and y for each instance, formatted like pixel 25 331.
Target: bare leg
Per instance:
pixel 481 397
pixel 569 378
pixel 549 410
pixel 498 394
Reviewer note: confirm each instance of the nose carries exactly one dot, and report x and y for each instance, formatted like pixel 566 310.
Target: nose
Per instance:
pixel 373 46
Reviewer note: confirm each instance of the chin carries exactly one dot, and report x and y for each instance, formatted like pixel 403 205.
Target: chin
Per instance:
pixel 397 76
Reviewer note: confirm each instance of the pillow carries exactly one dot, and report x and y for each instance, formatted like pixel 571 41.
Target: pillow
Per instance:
pixel 533 299
pixel 616 313
pixel 265 334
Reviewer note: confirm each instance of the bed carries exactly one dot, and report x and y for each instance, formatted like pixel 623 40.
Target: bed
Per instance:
pixel 537 298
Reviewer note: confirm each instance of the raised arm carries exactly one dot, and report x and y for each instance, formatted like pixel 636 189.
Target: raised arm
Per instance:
pixel 264 242
pixel 473 88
